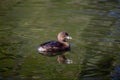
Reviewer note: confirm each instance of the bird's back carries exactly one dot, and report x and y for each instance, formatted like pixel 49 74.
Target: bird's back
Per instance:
pixel 52 46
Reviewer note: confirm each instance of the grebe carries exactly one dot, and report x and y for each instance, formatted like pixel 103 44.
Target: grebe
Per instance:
pixel 57 48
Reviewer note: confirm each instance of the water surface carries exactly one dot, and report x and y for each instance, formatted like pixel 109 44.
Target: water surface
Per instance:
pixel 94 26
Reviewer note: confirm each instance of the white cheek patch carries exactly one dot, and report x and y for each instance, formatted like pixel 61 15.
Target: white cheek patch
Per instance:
pixel 68 37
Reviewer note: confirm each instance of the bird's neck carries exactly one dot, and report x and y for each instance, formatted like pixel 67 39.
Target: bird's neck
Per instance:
pixel 66 44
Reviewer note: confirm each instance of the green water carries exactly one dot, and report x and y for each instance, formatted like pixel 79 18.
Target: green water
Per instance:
pixel 93 24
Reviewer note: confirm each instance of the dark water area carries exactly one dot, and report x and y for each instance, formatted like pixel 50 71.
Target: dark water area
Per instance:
pixel 93 24
pixel 102 48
